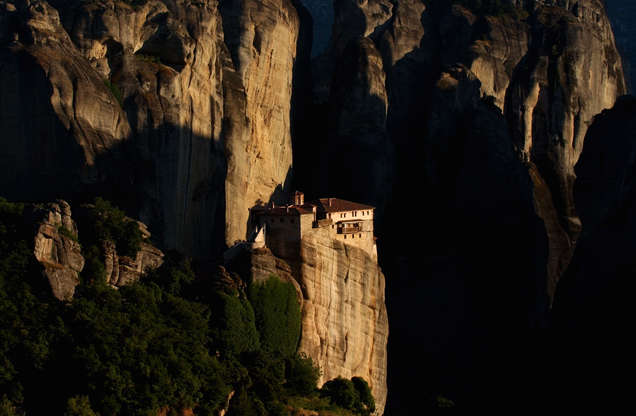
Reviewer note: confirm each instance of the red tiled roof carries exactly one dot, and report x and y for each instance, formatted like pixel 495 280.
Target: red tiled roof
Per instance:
pixel 338 205
pixel 322 205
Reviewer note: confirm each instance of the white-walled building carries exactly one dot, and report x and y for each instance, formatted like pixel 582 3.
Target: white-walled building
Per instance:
pixel 346 221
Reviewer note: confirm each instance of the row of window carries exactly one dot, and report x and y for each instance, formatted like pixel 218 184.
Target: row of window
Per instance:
pixel 353 236
pixel 353 214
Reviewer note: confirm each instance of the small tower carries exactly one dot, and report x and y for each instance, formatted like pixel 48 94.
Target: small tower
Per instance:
pixel 299 198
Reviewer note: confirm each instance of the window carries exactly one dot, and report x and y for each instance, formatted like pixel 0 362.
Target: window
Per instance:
pixel 282 219
pixel 345 236
pixel 291 220
pixel 360 235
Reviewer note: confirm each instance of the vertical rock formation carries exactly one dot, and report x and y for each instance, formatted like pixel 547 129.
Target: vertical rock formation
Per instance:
pixel 483 112
pixel 261 37
pixel 123 270
pixel 341 292
pixel 56 247
pixel 185 104
pixel 344 319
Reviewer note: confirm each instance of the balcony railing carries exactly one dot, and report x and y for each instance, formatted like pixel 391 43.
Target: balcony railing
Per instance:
pixel 349 230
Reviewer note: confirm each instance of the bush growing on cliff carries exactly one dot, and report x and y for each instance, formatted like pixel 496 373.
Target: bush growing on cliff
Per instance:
pixel 233 328
pixel 103 221
pixel 354 394
pixel 277 313
pixel 169 341
pixel 301 375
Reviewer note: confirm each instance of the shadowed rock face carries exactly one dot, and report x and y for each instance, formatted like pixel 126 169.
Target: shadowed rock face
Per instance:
pixel 593 306
pixel 193 128
pixel 464 130
pixel 622 13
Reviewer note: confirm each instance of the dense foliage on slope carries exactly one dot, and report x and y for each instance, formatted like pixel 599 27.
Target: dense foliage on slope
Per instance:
pixel 168 342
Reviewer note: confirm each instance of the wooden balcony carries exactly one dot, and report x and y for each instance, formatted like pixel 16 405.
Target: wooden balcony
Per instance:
pixel 349 230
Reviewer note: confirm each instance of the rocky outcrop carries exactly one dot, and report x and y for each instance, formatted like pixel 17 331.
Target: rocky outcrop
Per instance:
pixel 344 325
pixel 56 247
pixel 344 317
pixel 123 270
pixel 185 105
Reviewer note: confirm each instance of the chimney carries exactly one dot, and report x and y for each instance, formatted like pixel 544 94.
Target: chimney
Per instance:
pixel 299 198
pixel 330 201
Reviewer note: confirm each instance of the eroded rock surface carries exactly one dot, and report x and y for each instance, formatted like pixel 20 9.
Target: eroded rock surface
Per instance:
pixel 344 318
pixel 56 247
pixel 184 105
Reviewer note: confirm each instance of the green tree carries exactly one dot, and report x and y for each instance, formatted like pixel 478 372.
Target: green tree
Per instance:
pixel 354 394
pixel 301 374
pixel 277 313
pixel 79 406
pixel 340 392
pixel 366 403
pixel 232 325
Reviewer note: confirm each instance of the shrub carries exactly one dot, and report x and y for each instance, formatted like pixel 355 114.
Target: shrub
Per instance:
pixel 277 313
pixel 340 392
pixel 175 275
pixel 366 403
pixel 114 89
pixel 103 221
pixel 233 328
pixel 301 374
pixel 79 406
pixel 354 394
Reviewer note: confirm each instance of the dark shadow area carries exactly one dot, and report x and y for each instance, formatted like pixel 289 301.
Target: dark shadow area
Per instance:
pixel 593 308
pixel 167 177
pixel 38 155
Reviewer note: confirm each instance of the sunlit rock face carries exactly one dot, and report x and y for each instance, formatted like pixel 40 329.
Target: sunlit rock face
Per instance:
pixel 56 248
pixel 184 105
pixel 345 325
pixel 341 290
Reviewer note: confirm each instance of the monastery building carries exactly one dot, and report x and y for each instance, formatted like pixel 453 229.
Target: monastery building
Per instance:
pixel 346 221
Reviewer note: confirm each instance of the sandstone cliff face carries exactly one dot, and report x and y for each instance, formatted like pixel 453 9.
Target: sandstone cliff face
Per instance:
pixel 345 324
pixel 484 117
pixel 56 247
pixel 122 270
pixel 341 292
pixel 152 96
